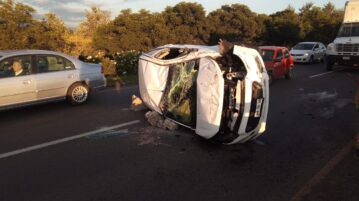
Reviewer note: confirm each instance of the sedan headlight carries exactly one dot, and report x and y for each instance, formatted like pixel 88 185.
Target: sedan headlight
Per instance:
pixel 330 47
pixel 306 54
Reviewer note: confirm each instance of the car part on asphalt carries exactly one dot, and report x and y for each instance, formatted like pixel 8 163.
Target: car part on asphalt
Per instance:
pixel 137 104
pixel 157 120
pixel 220 96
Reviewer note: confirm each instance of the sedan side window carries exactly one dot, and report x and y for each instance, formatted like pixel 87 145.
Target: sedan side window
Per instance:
pixel 15 66
pixel 51 63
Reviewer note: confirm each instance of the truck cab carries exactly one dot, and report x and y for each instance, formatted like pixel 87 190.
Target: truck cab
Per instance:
pixel 344 50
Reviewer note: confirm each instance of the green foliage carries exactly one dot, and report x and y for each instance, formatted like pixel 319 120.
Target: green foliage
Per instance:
pixel 183 23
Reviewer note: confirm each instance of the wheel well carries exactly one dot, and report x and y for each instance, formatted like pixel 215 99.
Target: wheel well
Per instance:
pixel 78 82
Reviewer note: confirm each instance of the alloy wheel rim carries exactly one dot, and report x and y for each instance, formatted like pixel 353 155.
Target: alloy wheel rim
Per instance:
pixel 79 94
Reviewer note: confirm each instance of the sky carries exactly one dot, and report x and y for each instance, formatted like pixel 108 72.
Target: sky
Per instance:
pixel 72 11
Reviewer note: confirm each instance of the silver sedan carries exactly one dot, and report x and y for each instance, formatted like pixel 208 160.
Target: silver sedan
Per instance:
pixel 33 76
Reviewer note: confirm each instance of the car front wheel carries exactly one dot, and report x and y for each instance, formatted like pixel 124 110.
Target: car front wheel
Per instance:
pixel 289 74
pixel 77 94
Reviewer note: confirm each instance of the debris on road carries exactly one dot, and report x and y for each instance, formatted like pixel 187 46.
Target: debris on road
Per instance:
pixel 152 136
pixel 137 104
pixel 157 120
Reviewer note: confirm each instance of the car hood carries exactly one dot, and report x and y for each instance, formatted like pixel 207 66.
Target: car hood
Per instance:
pixel 299 51
pixel 346 40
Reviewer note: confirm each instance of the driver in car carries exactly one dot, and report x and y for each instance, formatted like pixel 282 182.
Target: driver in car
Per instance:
pixel 18 69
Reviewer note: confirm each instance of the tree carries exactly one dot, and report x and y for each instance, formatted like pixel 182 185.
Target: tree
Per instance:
pixel 81 40
pixel 16 23
pixel 234 22
pixel 283 28
pixel 133 31
pixel 188 23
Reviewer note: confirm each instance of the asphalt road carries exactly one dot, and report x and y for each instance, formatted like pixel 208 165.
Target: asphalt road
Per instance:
pixel 306 153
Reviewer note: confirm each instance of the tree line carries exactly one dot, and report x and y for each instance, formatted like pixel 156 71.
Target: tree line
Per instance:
pixel 183 23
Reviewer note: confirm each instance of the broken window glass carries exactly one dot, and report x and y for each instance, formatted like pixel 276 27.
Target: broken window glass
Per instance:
pixel 179 101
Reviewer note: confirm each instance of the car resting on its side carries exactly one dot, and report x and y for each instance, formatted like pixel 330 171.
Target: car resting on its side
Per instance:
pixel 220 96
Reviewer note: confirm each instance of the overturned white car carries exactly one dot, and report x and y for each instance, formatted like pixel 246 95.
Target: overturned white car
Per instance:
pixel 219 96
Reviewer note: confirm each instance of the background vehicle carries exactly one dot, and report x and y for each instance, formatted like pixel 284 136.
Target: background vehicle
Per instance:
pixel 308 52
pixel 345 48
pixel 197 88
pixel 278 62
pixel 45 76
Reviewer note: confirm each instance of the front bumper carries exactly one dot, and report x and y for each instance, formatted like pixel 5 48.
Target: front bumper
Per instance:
pixel 343 59
pixel 301 59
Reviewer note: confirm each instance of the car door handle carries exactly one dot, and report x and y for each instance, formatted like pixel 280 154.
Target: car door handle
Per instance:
pixel 26 82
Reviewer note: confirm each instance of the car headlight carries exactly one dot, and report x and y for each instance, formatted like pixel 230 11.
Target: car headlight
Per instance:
pixel 306 54
pixel 330 47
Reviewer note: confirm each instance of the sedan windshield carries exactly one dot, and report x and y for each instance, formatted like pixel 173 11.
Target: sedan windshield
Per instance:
pixel 304 46
pixel 267 55
pixel 348 30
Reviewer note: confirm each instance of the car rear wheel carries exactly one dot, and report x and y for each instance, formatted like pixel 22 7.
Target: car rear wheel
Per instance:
pixel 78 93
pixel 289 74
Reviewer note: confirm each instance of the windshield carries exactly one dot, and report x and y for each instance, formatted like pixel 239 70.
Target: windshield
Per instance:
pixel 179 101
pixel 348 30
pixel 267 55
pixel 304 46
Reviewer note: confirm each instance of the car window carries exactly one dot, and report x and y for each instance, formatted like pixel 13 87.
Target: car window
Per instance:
pixel 15 66
pixel 52 63
pixel 267 55
pixel 316 46
pixel 279 54
pixel 286 54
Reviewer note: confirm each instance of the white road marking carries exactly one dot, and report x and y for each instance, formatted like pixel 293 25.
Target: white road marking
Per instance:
pixel 63 140
pixel 322 74
pixel 321 175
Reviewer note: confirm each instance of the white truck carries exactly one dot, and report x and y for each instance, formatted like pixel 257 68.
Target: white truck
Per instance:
pixel 345 48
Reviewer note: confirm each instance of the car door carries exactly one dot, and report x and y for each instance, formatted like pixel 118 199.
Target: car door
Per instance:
pixel 55 74
pixel 279 64
pixel 287 61
pixel 16 86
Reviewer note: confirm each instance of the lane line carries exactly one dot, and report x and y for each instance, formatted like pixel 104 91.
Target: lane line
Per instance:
pixel 63 140
pixel 322 74
pixel 320 176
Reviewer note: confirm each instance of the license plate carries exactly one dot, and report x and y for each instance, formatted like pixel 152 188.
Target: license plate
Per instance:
pixel 258 108
pixel 346 58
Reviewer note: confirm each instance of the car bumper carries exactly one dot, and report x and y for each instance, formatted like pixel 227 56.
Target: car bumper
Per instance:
pixel 301 59
pixel 343 59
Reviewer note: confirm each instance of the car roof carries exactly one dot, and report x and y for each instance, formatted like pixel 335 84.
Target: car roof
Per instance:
pixel 309 42
pixel 272 47
pixel 8 53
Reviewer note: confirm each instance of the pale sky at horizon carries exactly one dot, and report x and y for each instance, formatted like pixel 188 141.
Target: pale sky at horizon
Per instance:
pixel 72 11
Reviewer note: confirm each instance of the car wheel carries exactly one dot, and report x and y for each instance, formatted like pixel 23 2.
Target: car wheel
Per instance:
pixel 329 65
pixel 270 77
pixel 311 60
pixel 78 93
pixel 289 75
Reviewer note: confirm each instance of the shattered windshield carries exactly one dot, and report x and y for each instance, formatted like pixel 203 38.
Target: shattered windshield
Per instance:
pixel 348 30
pixel 179 102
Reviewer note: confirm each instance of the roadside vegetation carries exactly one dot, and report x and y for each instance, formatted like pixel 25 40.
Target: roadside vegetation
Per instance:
pixel 117 43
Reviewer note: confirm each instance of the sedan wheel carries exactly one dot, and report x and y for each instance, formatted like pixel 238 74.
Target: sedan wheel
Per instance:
pixel 78 94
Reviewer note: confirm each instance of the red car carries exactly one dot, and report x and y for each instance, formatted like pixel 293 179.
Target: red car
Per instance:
pixel 278 62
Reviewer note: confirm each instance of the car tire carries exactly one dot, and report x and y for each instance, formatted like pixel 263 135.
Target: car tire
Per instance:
pixel 270 77
pixel 78 94
pixel 311 60
pixel 289 75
